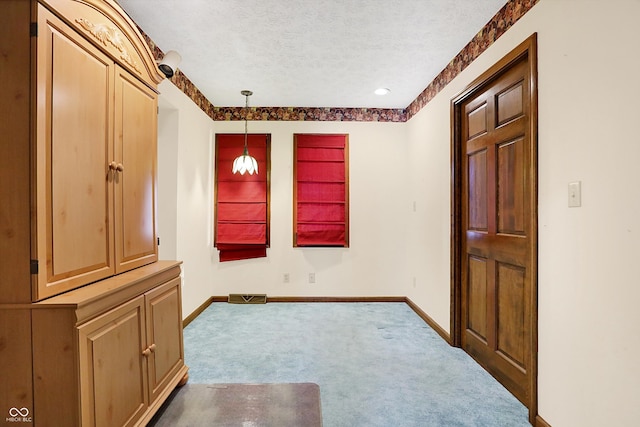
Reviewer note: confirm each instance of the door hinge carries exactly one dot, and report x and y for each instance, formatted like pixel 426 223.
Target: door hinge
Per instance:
pixel 158 241
pixel 34 266
pixel 33 29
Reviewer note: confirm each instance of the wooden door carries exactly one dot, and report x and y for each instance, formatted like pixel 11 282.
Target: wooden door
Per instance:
pixel 73 224
pixel 134 169
pixel 496 156
pixel 164 336
pixel 113 368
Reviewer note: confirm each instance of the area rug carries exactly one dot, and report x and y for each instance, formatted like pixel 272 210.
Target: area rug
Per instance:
pixel 250 405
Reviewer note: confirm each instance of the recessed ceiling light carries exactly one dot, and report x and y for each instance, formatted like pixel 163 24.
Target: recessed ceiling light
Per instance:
pixel 382 91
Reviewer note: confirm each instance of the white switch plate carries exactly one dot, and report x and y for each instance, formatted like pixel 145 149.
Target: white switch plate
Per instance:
pixel 575 196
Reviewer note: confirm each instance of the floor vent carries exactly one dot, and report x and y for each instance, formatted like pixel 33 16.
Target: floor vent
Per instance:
pixel 247 299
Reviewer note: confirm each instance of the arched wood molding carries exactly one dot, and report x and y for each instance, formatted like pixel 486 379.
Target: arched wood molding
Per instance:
pixel 108 27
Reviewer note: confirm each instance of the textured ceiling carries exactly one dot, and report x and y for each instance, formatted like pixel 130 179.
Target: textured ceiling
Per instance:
pixel 312 53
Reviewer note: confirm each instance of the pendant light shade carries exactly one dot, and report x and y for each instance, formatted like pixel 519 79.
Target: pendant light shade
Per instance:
pixel 245 163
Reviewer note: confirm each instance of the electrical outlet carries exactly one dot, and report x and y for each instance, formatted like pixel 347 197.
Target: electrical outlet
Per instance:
pixel 285 278
pixel 312 277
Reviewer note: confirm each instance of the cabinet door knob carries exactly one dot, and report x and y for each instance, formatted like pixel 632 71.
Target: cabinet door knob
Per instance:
pixel 119 167
pixel 146 352
pixel 113 166
pixel 152 347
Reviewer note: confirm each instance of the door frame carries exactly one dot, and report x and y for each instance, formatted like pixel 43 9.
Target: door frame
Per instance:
pixel 528 49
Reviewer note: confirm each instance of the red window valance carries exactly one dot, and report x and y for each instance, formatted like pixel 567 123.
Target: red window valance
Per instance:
pixel 321 190
pixel 241 201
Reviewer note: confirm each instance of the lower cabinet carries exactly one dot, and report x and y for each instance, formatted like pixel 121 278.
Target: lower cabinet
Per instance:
pixel 113 371
pixel 110 361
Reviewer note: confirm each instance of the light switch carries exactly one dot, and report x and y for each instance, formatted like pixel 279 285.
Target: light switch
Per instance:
pixel 575 198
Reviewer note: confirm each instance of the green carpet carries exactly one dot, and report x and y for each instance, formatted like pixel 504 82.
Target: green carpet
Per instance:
pixel 377 364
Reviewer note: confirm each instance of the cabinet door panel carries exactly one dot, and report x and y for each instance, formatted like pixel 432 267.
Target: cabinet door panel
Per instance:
pixel 73 194
pixel 164 332
pixel 135 184
pixel 113 368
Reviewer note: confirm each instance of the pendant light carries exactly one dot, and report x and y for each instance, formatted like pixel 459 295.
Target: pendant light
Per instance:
pixel 245 163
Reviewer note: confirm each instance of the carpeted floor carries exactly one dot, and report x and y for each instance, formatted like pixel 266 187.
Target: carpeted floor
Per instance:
pixel 377 364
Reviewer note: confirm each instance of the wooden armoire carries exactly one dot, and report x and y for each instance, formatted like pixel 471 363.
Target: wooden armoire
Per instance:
pixel 90 320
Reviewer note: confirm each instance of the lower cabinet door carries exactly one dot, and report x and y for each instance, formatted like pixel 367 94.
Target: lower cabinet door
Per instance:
pixel 113 366
pixel 164 335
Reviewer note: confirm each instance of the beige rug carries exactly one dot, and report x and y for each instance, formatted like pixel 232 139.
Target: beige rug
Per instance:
pixel 242 405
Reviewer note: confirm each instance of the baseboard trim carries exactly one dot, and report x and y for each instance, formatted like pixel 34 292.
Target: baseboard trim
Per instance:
pixel 197 312
pixel 428 320
pixel 283 299
pixel 335 299
pixel 541 423
pixel 424 316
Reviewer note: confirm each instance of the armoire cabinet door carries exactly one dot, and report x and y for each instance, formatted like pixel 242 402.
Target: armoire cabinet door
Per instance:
pixel 113 367
pixel 135 184
pixel 73 226
pixel 164 335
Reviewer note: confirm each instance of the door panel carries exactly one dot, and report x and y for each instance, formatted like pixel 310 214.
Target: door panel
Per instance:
pixel 511 323
pixel 496 197
pixel 509 104
pixel 477 297
pixel 511 187
pixel 78 205
pixel 477 121
pixel 477 197
pixel 135 185
pixel 114 375
pixel 74 222
pixel 164 335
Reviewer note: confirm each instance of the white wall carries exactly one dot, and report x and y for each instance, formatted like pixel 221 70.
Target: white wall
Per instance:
pixel 374 264
pixel 184 133
pixel 589 322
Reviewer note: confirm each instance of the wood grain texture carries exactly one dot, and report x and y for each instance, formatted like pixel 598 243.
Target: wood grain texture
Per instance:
pixel 73 234
pixel 477 119
pixel 540 422
pixel 135 185
pixel 164 332
pixel 56 223
pixel 109 28
pixel 15 100
pixel 16 389
pixel 55 367
pixel 94 350
pixel 509 90
pixel 509 103
pixel 113 373
pixel 496 333
pixel 511 187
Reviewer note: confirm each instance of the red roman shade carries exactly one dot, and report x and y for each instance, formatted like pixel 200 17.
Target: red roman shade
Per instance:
pixel 321 190
pixel 241 201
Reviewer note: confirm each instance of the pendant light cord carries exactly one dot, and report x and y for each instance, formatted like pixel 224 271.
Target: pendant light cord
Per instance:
pixel 246 112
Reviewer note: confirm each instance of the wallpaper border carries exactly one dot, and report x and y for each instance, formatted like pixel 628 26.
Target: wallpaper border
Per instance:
pixel 510 13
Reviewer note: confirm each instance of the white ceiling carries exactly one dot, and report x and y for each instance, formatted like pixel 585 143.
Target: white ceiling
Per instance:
pixel 312 53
